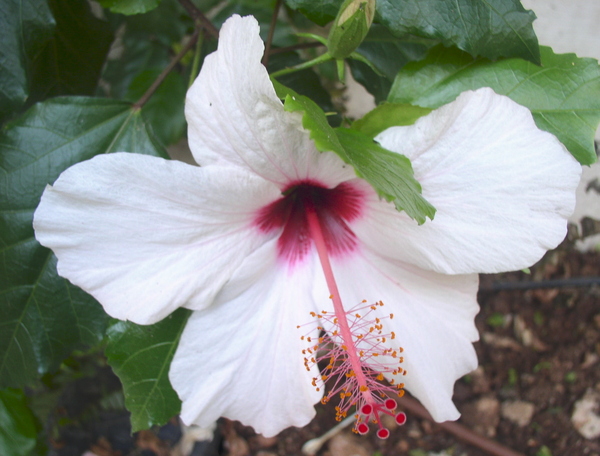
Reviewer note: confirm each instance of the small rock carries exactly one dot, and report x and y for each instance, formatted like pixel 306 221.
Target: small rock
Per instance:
pixel 348 445
pixel 403 446
pixel 481 384
pixel 585 419
pixel 482 416
pixel 501 341
pixel 518 412
pixel 589 360
pixel 260 441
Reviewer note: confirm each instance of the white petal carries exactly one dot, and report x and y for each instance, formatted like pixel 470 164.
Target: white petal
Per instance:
pixel 433 321
pixel 503 189
pixel 234 116
pixel 145 235
pixel 242 357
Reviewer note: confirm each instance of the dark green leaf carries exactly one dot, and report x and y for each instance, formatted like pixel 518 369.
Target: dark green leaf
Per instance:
pixel 25 25
pixel 141 356
pixel 164 111
pixel 387 54
pixel 284 34
pixel 389 173
pixel 17 425
pixel 305 82
pixel 376 84
pixel 563 94
pixel 319 11
pixel 72 60
pixel 168 23
pixel 388 115
pixel 42 316
pixel 129 7
pixel 490 28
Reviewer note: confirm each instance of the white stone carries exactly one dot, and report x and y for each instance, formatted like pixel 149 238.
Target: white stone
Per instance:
pixel 585 418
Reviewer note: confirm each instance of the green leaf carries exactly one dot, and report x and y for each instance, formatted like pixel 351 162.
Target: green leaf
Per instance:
pixel 305 82
pixel 164 110
pixel 130 7
pixel 388 55
pixel 389 173
pixel 141 356
pixel 42 316
pixel 17 425
pixel 489 28
pixel 388 115
pixel 25 25
pixel 72 60
pixel 563 94
pixel 319 11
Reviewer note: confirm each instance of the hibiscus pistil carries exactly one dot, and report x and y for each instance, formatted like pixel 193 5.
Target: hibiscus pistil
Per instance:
pixel 357 342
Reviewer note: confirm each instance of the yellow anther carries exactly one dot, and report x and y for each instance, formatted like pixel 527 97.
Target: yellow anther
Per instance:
pixel 391 316
pixel 363 388
pixel 393 335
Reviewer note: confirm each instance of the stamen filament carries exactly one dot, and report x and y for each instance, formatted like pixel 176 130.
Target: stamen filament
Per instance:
pixel 316 233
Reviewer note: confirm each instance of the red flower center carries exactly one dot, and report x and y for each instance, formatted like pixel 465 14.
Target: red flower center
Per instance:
pixel 335 208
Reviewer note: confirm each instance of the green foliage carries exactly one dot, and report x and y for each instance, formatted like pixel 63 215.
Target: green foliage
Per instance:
pixel 387 55
pixel 496 320
pixel 562 94
pixel 319 11
pixel 488 28
pixel 390 174
pixel 25 26
pixel 141 356
pixel 43 317
pixel 71 61
pixel 129 7
pixel 388 115
pixel 544 451
pixel 164 111
pixel 17 426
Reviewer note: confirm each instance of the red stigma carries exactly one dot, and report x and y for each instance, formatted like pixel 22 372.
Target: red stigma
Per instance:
pixel 335 208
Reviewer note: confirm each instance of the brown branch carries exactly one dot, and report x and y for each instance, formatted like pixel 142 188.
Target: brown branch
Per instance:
pixel 161 77
pixel 265 59
pixel 198 16
pixel 458 430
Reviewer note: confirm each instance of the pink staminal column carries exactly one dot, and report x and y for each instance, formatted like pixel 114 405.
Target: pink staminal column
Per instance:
pixel 351 350
pixel 309 213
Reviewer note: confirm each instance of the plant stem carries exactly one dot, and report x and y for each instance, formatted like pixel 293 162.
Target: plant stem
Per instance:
pixel 303 66
pixel 295 47
pixel 161 77
pixel 198 16
pixel 265 59
pixel 196 61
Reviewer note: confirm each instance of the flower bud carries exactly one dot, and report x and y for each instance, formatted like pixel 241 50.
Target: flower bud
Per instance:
pixel 350 27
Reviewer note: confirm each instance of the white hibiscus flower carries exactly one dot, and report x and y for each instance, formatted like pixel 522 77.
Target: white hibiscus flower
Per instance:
pixel 245 239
